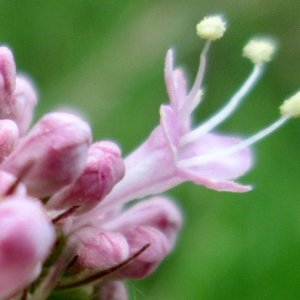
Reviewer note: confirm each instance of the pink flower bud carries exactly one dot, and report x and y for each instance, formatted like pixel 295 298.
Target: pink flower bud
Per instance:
pixel 103 169
pixel 100 249
pixel 26 238
pixel 113 290
pixel 51 155
pixel 157 212
pixel 8 137
pixel 147 261
pixel 25 99
pixel 17 95
pixel 7 82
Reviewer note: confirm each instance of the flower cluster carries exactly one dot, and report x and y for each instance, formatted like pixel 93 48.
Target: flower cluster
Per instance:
pixel 63 214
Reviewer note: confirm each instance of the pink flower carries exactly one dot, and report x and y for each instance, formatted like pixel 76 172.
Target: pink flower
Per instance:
pixel 175 152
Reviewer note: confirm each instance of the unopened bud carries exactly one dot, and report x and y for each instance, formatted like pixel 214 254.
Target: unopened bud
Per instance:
pixel 51 155
pixel 150 259
pixel 100 249
pixel 25 100
pixel 7 80
pixel 103 169
pixel 17 95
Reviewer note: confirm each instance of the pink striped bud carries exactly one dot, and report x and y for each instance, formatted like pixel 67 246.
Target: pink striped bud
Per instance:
pixel 51 155
pixel 100 249
pixel 26 238
pixel 103 169
pixel 8 137
pixel 149 260
pixel 113 290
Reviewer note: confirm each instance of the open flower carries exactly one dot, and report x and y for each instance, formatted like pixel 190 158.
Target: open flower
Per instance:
pixel 175 151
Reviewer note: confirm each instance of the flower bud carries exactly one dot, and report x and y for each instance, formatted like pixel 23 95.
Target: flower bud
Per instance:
pixel 17 95
pixel 137 237
pixel 103 169
pixel 26 238
pixel 100 249
pixel 25 100
pixel 7 82
pixel 51 155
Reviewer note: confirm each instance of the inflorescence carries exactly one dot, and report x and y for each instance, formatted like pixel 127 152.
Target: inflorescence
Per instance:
pixel 63 215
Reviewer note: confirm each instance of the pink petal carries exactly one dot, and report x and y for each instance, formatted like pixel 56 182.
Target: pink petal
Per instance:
pixel 221 167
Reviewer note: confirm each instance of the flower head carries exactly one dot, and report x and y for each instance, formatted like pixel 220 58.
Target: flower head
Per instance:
pixel 60 192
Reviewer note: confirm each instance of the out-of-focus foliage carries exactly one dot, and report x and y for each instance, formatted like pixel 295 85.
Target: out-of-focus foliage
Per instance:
pixel 105 58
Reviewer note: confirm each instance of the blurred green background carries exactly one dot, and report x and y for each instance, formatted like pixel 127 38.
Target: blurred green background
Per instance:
pixel 106 58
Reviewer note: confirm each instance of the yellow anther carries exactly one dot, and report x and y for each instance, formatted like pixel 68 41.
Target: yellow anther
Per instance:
pixel 211 28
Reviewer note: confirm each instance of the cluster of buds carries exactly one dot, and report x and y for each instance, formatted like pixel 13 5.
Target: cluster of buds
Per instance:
pixel 63 214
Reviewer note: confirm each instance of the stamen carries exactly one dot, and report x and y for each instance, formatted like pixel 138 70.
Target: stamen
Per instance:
pixel 259 50
pixel 193 103
pixel 199 77
pixel 227 110
pixel 291 106
pixel 202 159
